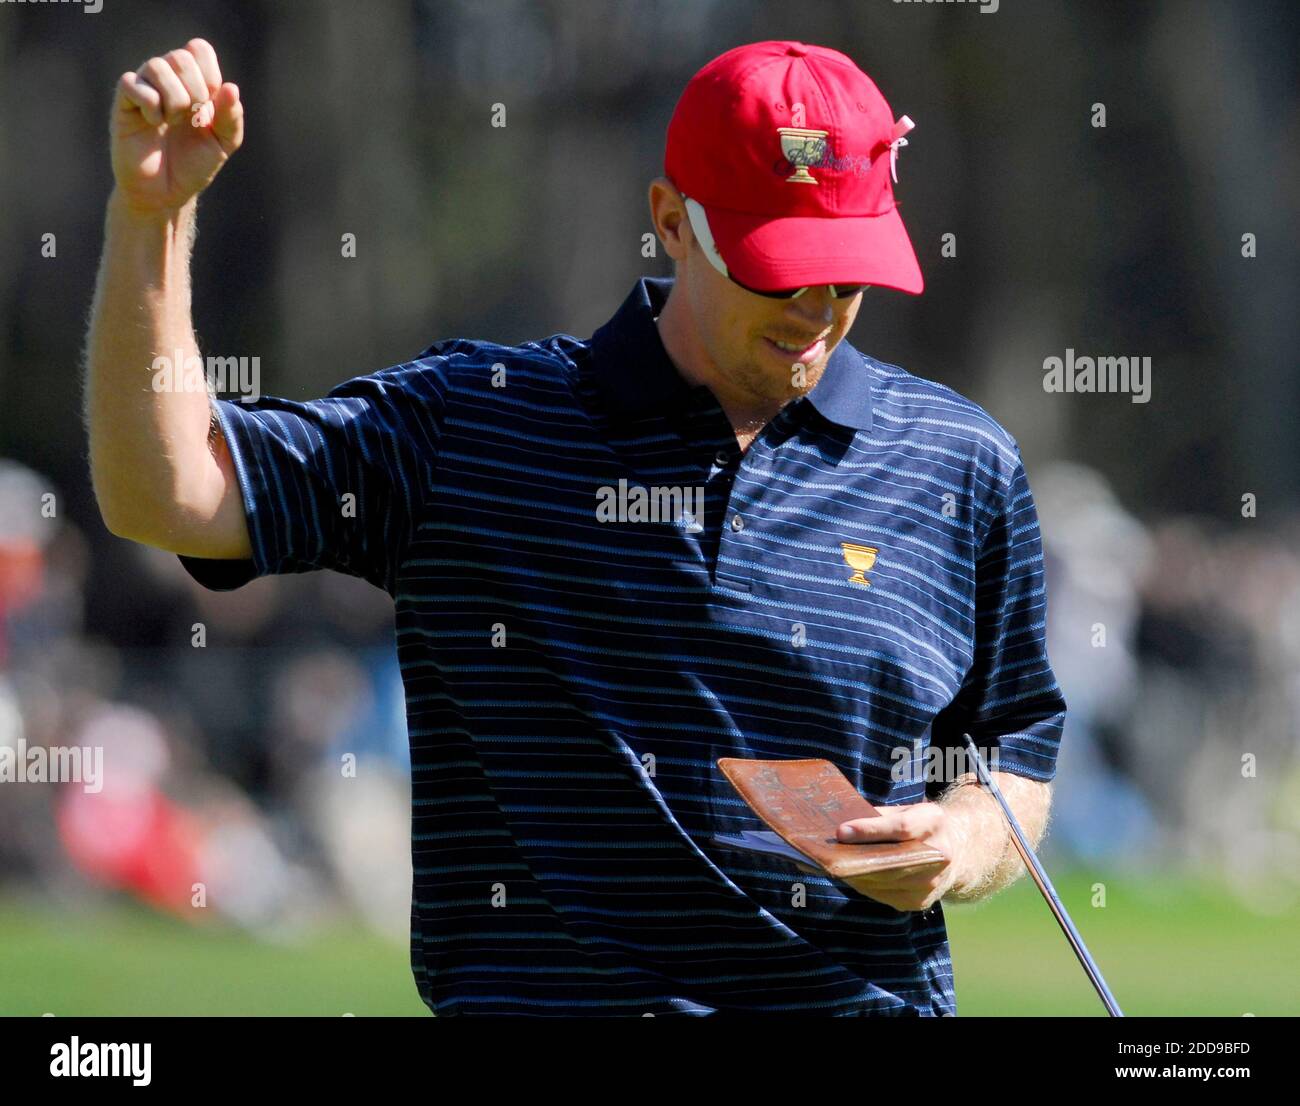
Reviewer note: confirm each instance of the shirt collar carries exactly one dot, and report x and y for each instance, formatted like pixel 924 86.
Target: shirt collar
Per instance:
pixel 635 375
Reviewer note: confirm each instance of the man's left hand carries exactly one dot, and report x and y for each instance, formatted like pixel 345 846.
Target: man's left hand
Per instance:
pixel 909 888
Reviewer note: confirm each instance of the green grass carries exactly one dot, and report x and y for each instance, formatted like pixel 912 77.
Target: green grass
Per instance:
pixel 122 960
pixel 1165 947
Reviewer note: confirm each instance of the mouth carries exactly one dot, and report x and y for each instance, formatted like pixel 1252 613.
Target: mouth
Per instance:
pixel 793 351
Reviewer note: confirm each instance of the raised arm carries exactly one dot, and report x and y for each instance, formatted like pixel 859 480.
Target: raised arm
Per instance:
pixel 161 472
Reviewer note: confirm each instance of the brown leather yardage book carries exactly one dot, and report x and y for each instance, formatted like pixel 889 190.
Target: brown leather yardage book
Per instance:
pixel 805 801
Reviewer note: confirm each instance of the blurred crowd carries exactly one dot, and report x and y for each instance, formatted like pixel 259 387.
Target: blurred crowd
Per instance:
pixel 1177 643
pixel 256 743
pixel 257 770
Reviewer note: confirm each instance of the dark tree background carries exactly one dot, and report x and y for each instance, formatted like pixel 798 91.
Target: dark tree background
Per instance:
pixel 374 118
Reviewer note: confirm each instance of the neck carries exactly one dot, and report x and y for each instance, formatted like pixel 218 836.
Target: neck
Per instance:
pixel 748 413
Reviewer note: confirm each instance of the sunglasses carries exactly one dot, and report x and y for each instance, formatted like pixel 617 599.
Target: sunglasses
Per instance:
pixel 838 291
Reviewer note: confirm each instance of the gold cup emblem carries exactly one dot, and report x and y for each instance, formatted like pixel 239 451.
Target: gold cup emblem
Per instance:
pixel 860 558
pixel 802 148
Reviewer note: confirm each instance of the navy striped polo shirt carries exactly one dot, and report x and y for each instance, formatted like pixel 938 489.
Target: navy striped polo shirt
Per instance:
pixel 597 595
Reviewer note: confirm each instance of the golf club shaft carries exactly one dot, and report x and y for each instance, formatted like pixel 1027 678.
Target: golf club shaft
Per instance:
pixel 1045 885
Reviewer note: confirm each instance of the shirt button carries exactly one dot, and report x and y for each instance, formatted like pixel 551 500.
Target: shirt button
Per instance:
pixel 737 523
pixel 722 459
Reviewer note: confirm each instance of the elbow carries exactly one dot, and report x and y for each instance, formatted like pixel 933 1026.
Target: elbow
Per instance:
pixel 141 507
pixel 130 513
pixel 109 506
pixel 123 524
pixel 114 506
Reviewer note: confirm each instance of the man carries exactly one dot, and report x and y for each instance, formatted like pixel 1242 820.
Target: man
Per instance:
pixel 618 559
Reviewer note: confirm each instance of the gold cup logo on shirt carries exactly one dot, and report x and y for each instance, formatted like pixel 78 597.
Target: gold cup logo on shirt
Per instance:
pixel 803 147
pixel 860 558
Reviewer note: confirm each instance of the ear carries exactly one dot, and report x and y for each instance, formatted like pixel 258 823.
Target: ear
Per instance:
pixel 668 213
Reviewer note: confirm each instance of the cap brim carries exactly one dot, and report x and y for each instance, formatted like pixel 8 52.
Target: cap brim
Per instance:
pixel 774 254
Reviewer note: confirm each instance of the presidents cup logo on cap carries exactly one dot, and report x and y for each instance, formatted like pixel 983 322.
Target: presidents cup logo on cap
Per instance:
pixel 831 129
pixel 802 147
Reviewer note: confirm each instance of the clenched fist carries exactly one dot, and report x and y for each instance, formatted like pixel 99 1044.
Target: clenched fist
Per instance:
pixel 174 125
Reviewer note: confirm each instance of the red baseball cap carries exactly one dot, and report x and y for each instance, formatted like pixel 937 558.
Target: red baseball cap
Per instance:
pixel 787 155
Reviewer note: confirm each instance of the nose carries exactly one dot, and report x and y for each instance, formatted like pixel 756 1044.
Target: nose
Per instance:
pixel 814 308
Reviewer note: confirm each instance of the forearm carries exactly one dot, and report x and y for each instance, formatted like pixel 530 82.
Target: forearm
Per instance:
pixel 987 858
pixel 149 455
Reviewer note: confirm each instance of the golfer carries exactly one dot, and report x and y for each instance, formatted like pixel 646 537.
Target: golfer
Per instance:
pixel 713 528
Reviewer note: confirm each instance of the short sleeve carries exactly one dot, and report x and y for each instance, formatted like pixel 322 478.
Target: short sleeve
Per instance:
pixel 1009 702
pixel 336 483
